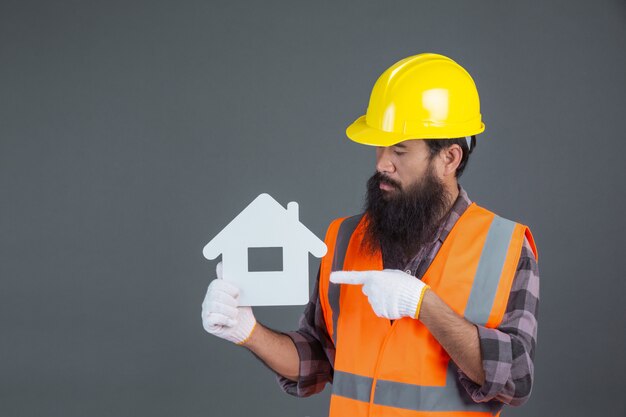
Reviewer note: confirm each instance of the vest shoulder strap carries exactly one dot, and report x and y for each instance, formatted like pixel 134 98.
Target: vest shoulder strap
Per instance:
pixel 337 239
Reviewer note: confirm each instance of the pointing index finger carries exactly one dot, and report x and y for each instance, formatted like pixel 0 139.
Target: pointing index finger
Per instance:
pixel 349 277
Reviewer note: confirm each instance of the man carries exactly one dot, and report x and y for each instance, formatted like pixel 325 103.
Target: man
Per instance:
pixel 426 303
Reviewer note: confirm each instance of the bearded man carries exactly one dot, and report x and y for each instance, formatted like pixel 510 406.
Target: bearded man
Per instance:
pixel 426 303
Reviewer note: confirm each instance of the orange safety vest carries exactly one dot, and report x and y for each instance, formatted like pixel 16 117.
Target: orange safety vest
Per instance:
pixel 399 369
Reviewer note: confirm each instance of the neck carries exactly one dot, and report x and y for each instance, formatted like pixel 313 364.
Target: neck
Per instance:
pixel 452 189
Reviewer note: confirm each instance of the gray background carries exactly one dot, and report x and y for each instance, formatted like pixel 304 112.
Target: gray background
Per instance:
pixel 132 132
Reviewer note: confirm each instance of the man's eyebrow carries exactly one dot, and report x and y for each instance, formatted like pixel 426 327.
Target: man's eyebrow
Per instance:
pixel 400 145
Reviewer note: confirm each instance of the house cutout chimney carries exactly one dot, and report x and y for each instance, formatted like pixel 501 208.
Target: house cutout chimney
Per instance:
pixel 292 209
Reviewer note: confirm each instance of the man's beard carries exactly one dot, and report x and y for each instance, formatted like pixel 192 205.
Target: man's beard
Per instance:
pixel 400 221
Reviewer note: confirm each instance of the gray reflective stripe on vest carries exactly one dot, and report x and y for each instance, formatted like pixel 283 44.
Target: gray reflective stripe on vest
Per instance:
pixel 452 396
pixel 489 270
pixel 344 234
pixel 352 386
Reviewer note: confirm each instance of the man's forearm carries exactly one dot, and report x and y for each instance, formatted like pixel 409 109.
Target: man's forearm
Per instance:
pixel 276 350
pixel 458 336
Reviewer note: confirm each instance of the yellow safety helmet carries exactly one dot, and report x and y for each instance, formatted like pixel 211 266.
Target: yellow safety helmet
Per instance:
pixel 425 96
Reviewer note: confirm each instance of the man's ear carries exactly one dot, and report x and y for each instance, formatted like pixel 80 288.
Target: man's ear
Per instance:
pixel 451 157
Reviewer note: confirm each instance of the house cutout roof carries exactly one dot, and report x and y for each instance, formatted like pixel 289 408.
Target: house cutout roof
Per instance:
pixel 264 222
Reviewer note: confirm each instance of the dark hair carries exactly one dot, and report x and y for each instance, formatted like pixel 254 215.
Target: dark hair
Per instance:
pixel 436 145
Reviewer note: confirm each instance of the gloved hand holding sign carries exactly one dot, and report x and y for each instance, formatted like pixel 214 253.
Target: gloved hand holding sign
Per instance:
pixel 221 314
pixel 392 293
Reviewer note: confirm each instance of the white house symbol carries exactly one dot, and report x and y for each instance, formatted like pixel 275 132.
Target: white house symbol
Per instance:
pixel 264 223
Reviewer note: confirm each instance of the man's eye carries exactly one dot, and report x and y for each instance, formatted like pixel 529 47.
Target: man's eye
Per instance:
pixel 399 153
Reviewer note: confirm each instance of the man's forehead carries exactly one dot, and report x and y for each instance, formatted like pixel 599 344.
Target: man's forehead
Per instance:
pixel 409 143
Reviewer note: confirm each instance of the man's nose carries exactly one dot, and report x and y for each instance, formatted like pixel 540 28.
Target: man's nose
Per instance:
pixel 383 160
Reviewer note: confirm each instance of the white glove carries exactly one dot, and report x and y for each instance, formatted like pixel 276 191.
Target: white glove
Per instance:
pixel 391 293
pixel 221 314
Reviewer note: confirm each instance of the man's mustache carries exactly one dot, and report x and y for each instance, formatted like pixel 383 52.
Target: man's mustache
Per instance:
pixel 382 178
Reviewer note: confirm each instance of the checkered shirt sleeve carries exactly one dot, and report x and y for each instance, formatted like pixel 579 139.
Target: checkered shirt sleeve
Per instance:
pixel 315 349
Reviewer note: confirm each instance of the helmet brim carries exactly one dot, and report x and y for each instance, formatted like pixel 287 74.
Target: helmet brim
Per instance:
pixel 362 133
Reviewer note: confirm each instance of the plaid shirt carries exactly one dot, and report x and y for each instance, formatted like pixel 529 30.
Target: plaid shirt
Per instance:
pixel 507 351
